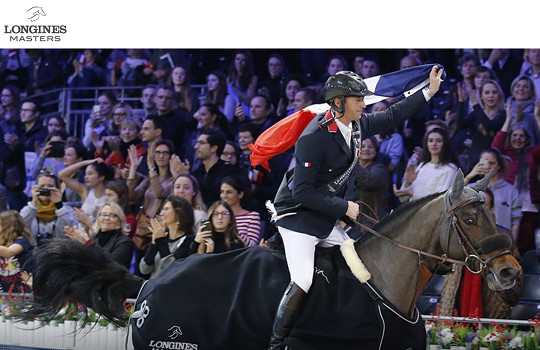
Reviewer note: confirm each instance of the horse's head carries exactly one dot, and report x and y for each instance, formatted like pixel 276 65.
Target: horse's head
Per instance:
pixel 473 234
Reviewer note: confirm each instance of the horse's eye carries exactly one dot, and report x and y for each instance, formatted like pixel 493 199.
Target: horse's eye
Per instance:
pixel 469 222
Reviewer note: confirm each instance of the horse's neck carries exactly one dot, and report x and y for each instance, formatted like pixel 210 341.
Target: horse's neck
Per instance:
pixel 396 271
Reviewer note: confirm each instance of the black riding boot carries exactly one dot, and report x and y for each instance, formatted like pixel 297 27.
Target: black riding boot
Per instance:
pixel 288 309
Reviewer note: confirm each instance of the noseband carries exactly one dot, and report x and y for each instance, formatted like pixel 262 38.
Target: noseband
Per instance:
pixel 473 261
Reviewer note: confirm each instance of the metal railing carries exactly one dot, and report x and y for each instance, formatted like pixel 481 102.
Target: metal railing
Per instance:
pixel 74 104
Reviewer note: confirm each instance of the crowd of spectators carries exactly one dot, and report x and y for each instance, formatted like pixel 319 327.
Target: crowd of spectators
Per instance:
pixel 148 170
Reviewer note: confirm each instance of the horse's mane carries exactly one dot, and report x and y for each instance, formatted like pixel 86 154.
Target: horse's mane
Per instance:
pixel 388 223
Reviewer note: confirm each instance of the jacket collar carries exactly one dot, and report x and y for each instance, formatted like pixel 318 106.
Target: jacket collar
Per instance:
pixel 333 128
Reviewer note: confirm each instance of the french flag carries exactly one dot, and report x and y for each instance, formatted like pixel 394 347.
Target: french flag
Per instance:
pixel 284 134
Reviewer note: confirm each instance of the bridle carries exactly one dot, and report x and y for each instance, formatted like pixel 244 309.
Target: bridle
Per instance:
pixel 472 254
pixel 473 257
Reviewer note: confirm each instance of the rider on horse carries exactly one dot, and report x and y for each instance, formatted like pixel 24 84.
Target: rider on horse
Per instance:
pixel 310 207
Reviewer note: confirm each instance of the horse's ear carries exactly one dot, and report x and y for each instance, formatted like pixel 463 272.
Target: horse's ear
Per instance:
pixel 457 187
pixel 482 184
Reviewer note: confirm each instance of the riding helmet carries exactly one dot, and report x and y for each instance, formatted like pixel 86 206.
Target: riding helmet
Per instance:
pixel 345 83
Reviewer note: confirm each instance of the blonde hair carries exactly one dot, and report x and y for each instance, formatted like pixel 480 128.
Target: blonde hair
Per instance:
pixel 118 211
pixel 13 226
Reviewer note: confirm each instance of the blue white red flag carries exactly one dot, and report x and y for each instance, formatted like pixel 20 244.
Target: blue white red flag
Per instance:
pixel 284 134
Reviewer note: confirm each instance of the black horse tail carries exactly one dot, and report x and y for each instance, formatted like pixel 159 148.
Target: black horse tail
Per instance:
pixel 69 272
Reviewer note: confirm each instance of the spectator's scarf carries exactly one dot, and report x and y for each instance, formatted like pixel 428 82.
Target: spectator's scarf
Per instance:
pixel 284 134
pixel 46 212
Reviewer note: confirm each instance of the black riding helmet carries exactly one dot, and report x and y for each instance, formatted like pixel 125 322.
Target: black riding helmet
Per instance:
pixel 343 84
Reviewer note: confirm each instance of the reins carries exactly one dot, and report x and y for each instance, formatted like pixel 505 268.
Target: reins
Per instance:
pixel 462 237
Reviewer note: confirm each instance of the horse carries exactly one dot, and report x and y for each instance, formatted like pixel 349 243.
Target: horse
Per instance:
pixel 363 295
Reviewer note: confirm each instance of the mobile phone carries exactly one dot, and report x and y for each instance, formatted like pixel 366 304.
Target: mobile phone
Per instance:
pixel 484 163
pixel 96 109
pixel 44 192
pixel 57 149
pixel 205 225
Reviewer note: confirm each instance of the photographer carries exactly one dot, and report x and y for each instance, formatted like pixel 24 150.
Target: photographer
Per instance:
pixel 52 154
pixel 46 215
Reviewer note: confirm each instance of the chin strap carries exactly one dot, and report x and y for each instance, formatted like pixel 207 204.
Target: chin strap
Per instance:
pixel 324 123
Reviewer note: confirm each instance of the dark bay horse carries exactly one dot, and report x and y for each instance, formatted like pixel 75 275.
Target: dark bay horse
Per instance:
pixel 228 301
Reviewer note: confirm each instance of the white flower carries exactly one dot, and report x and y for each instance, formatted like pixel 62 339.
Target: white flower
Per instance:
pixel 516 343
pixel 493 336
pixel 447 335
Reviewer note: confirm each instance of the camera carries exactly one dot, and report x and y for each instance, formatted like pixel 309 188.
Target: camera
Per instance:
pixel 43 237
pixel 44 192
pixel 57 149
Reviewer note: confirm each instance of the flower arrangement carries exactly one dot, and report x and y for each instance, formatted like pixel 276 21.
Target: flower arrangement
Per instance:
pixel 11 304
pixel 447 333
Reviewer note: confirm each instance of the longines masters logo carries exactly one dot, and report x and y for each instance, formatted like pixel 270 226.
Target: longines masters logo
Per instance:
pixel 35 32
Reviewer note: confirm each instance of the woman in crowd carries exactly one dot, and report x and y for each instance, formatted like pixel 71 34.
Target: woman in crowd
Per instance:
pixel 435 173
pixel 248 223
pixel 11 104
pixel 481 124
pixel 92 191
pixel 515 142
pixel 16 244
pixel 153 190
pixel 467 65
pixel 51 156
pixel 111 234
pixel 506 203
pixel 241 80
pixel 100 117
pixel 230 153
pixel 216 93
pixel 219 234
pixel 172 235
pixel 46 215
pixel 116 191
pixel 110 141
pixel 187 187
pixel 336 63
pixel 209 116
pixel 372 179
pixel 120 112
pixel 522 104
pixel 73 153
pixel 286 102
pixel 186 98
pixel 478 77
pixel 130 129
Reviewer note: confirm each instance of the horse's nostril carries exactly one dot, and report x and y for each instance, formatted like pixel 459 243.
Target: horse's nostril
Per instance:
pixel 508 273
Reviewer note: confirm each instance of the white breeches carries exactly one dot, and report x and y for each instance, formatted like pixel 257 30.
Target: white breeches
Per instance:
pixel 300 252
